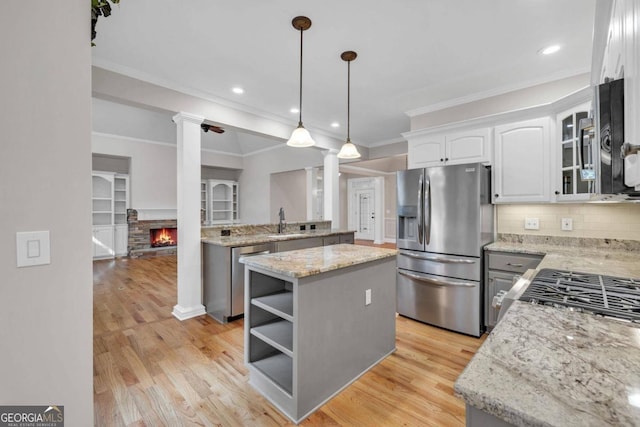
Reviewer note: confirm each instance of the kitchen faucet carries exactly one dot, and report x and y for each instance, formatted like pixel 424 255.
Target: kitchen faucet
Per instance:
pixel 281 224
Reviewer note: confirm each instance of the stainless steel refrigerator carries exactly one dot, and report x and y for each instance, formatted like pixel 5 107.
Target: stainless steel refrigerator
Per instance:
pixel 445 217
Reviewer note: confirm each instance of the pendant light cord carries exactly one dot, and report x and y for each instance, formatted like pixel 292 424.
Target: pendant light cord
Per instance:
pixel 348 99
pixel 300 107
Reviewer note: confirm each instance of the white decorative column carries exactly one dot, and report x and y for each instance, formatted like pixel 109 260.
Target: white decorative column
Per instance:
pixel 331 179
pixel 189 258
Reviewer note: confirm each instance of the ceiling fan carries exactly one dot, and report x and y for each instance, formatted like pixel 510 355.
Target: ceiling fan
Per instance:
pixel 212 128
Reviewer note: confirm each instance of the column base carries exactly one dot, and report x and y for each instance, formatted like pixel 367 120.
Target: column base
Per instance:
pixel 184 313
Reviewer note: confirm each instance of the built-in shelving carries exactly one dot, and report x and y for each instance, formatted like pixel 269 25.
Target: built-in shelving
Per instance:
pixel 279 369
pixel 277 334
pixel 280 304
pixel 110 200
pixel 219 199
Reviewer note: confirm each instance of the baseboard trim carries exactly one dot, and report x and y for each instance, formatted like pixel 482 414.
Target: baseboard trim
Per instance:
pixel 184 313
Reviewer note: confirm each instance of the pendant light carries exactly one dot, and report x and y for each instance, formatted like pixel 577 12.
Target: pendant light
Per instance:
pixel 300 136
pixel 348 150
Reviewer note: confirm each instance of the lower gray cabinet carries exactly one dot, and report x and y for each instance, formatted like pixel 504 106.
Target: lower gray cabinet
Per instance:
pixel 502 269
pixel 292 245
pixel 331 240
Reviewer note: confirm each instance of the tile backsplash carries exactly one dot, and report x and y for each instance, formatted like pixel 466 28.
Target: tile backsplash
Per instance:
pixel 596 220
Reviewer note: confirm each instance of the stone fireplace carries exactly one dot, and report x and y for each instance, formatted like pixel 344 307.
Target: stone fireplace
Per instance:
pixel 151 237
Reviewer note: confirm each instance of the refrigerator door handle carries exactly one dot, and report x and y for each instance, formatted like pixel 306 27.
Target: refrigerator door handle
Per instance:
pixel 436 282
pixel 439 259
pixel 427 208
pixel 420 209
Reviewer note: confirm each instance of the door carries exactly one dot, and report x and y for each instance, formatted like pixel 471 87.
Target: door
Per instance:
pixel 103 242
pixel 409 196
pixel 498 281
pixel 452 211
pixel 365 214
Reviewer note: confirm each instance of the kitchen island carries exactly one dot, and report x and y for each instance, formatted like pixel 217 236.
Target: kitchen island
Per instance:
pixel 549 366
pixel 315 320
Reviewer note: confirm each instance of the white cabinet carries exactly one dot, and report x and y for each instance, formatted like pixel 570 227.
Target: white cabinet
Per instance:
pixel 110 200
pixel 219 198
pixel 102 237
pixel 521 169
pixel 121 239
pixel 449 149
pixel 567 184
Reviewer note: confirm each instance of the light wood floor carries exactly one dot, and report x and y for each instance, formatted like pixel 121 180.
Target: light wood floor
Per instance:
pixel 152 370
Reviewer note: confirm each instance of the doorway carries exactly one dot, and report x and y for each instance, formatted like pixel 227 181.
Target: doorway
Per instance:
pixel 365 204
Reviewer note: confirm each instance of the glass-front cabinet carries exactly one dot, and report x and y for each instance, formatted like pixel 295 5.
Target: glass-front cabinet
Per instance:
pixel 569 185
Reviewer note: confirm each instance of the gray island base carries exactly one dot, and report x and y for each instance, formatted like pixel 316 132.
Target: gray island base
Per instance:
pixel 310 329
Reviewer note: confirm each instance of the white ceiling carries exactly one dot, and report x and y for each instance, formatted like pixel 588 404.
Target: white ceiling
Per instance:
pixel 411 53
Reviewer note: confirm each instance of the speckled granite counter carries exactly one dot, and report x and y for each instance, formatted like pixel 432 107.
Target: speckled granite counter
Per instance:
pixel 622 259
pixel 544 366
pixel 308 262
pixel 253 239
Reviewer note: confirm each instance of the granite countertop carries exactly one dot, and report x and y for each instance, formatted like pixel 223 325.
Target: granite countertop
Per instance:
pixel 599 260
pixel 544 366
pixel 253 239
pixel 547 366
pixel 312 261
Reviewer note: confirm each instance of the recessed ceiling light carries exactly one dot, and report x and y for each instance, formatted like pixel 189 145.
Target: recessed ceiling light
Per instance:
pixel 549 49
pixel 238 90
pixel 335 125
pixel 294 110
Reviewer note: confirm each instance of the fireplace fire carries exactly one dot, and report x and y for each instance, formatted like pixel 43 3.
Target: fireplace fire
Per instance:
pixel 163 237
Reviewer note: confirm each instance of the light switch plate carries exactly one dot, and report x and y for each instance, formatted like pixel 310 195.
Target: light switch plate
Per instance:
pixel 32 248
pixel 367 297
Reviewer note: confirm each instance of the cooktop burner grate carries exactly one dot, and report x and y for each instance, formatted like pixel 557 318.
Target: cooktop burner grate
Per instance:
pixel 601 295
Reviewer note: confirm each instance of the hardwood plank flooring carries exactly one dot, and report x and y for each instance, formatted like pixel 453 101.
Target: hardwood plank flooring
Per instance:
pixel 150 369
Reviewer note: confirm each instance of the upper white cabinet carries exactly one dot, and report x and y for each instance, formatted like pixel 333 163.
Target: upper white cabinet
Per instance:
pixel 567 184
pixel 449 149
pixel 220 201
pixel 521 168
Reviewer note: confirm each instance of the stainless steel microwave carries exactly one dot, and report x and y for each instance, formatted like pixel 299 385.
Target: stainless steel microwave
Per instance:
pixel 602 143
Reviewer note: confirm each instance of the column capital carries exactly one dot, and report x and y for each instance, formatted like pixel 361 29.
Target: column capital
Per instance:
pixel 330 152
pixel 187 117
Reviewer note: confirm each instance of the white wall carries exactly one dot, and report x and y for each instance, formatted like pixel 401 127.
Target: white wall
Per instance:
pixel 46 311
pixel 255 204
pixel 153 173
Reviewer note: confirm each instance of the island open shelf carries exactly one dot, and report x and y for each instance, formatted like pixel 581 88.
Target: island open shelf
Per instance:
pixel 308 331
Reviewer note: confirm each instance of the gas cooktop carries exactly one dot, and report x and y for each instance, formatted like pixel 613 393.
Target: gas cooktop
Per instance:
pixel 607 296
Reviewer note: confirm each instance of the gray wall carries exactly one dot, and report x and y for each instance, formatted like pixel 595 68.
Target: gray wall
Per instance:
pixel 255 179
pixel 515 100
pixel 46 311
pixel 289 190
pixel 208 172
pixel 106 163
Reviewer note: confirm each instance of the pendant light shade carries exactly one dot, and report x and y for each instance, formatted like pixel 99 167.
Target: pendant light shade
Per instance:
pixel 348 150
pixel 300 136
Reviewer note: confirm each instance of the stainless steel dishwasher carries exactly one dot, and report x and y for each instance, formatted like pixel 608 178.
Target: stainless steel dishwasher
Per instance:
pixel 223 290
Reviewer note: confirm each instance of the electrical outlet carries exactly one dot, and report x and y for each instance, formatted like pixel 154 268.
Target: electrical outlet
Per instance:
pixel 567 224
pixel 531 224
pixel 303 227
pixel 367 297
